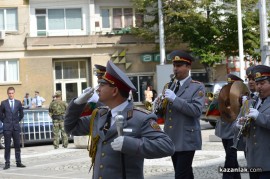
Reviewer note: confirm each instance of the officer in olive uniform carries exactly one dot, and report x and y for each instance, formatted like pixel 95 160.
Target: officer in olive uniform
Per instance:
pixel 182 117
pixel 57 110
pixel 226 132
pixel 118 156
pixel 257 142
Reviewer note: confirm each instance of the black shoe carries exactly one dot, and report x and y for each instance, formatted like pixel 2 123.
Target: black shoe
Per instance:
pixel 7 166
pixel 20 165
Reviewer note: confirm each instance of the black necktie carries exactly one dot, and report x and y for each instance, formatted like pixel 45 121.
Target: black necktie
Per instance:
pixel 107 123
pixel 261 104
pixel 252 95
pixel 177 87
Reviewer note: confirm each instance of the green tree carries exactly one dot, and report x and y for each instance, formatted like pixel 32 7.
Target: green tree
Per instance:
pixel 209 29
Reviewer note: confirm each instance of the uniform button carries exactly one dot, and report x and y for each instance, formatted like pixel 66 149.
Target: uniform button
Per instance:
pixel 255 143
pixel 101 166
pixel 102 154
pixel 254 135
pixel 100 178
pixel 170 103
pixel 170 118
pixel 170 127
pixel 170 110
pixel 254 127
pixel 192 130
pixel 104 143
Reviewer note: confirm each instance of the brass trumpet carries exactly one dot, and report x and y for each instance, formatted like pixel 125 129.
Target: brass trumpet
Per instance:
pixel 244 130
pixel 160 104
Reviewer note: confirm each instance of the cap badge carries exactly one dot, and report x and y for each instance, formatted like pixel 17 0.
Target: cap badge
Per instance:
pixel 258 75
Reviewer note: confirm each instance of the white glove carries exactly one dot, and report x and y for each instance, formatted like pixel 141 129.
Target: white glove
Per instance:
pixel 94 98
pixel 117 143
pixel 244 98
pixel 253 113
pixel 83 98
pixel 170 95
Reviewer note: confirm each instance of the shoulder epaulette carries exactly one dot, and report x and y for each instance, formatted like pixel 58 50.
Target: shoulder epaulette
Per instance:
pixel 194 81
pixel 142 110
pixel 103 110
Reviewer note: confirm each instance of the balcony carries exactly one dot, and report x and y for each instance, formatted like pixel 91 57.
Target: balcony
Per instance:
pixel 79 42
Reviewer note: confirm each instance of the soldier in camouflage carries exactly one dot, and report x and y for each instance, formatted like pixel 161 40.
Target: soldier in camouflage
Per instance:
pixel 57 111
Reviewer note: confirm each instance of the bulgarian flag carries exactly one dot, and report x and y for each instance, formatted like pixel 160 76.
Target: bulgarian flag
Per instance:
pixel 88 109
pixel 213 109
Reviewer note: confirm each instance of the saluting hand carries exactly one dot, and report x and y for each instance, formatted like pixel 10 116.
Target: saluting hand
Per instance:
pixel 253 113
pixel 117 143
pixel 83 98
pixel 170 95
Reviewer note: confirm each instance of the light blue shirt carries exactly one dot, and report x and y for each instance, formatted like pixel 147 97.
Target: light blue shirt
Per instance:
pixel 118 108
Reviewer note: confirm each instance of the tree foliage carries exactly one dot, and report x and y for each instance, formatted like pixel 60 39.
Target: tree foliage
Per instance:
pixel 209 28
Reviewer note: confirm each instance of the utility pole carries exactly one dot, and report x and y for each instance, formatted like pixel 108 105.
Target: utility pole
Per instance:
pixel 161 33
pixel 264 48
pixel 240 40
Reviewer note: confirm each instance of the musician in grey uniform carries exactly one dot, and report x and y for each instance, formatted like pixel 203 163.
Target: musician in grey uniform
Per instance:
pixel 257 142
pixel 142 136
pixel 182 116
pixel 226 132
pixel 241 144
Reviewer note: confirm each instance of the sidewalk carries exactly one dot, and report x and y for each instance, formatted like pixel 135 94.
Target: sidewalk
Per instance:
pixel 45 162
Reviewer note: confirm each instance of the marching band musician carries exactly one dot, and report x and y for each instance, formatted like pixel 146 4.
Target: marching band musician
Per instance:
pixel 182 115
pixel 257 141
pixel 225 131
pixel 253 95
pixel 142 136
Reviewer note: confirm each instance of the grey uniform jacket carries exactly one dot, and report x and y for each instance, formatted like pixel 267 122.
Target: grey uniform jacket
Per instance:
pixel 182 117
pixel 225 130
pixel 258 142
pixel 143 139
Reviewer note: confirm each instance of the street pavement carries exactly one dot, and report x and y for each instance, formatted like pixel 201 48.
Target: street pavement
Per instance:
pixel 45 162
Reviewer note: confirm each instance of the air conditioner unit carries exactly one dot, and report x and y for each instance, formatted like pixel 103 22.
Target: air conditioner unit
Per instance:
pixel 2 34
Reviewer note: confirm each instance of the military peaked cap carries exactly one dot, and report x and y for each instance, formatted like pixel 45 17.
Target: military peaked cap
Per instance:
pixel 100 70
pixel 250 72
pixel 261 72
pixel 181 56
pixel 117 77
pixel 232 78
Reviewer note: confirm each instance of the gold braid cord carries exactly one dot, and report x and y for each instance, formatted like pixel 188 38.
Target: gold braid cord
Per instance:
pixel 92 146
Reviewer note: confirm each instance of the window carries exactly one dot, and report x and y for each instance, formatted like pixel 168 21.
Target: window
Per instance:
pixel 9 19
pixel 70 69
pixel 70 77
pixel 9 71
pixel 118 18
pixel 58 19
pixel 141 82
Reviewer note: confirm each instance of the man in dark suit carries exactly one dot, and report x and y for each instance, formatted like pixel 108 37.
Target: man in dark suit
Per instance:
pixel 11 113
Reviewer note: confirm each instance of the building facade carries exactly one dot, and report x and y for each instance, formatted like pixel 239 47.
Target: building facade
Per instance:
pixel 53 45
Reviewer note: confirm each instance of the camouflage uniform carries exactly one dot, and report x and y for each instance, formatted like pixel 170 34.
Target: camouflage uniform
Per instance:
pixel 57 111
